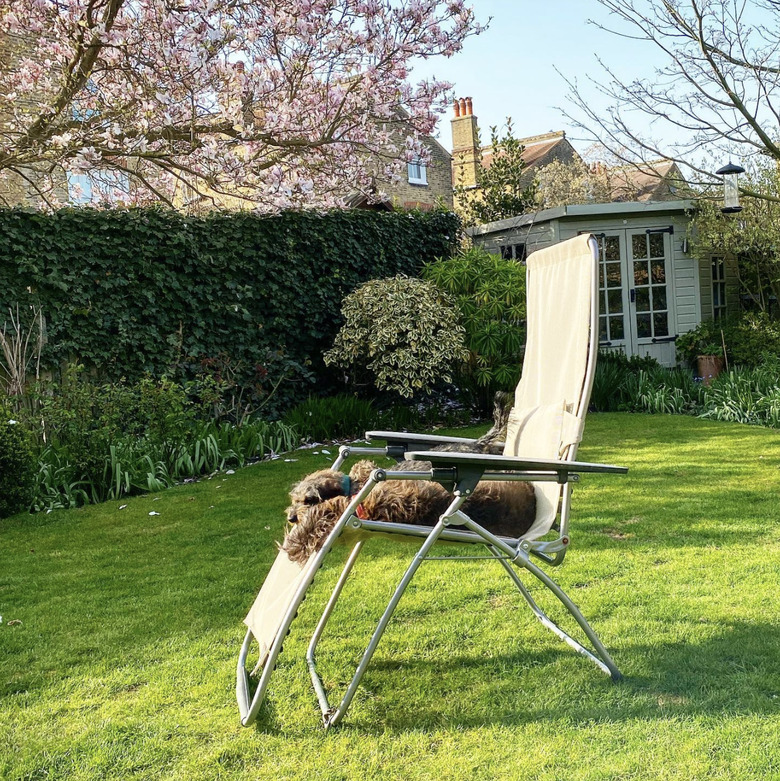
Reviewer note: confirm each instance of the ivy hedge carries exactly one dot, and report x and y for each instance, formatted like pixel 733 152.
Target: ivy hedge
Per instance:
pixel 152 291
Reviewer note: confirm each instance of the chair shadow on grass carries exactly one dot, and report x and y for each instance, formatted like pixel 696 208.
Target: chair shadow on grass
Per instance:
pixel 736 671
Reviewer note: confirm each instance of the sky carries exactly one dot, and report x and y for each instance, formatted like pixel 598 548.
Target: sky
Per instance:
pixel 509 70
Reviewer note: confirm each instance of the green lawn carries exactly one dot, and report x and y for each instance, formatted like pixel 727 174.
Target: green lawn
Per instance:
pixel 120 632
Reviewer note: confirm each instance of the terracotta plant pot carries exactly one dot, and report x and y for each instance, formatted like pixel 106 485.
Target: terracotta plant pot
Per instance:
pixel 708 367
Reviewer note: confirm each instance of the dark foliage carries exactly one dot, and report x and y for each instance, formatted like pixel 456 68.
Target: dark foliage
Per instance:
pixel 17 468
pixel 153 292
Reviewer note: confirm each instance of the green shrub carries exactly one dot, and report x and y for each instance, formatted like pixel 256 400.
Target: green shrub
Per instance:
pixel 490 293
pixel 746 395
pixel 82 419
pixel 348 417
pixel 336 417
pixel 132 465
pixel 17 468
pixel 748 337
pixel 402 333
pixel 613 371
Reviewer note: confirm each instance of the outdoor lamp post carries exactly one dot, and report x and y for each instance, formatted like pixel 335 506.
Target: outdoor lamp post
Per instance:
pixel 730 173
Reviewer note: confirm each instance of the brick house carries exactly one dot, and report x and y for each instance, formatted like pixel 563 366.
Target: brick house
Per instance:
pixel 468 155
pixel 424 186
pixel 658 181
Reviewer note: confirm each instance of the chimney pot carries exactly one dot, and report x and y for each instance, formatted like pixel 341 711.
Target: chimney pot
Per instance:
pixel 456 106
pixel 469 107
pixel 463 107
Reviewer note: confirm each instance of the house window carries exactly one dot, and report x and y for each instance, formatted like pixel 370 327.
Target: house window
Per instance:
pixel 514 252
pixel 417 173
pixel 718 289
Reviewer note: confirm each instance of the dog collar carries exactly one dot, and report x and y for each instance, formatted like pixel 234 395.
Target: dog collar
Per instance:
pixel 346 485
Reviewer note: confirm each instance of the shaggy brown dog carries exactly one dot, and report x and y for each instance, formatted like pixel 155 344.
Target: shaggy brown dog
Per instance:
pixel 328 483
pixel 319 500
pixel 506 509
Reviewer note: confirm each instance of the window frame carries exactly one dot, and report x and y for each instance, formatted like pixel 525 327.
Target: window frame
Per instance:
pixel 718 282
pixel 419 175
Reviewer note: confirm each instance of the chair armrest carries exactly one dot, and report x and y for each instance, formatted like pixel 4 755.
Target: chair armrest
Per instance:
pixel 443 459
pixel 411 440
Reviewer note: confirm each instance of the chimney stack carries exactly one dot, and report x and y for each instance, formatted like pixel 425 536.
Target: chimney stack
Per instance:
pixel 466 154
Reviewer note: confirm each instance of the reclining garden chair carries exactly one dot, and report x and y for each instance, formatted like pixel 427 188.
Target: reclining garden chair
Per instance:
pixel 545 427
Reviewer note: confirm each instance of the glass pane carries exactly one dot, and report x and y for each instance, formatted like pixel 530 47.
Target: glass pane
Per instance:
pixel 615 302
pixel 644 327
pixel 640 272
pixel 612 248
pixel 656 245
pixel 643 299
pixel 639 246
pixel 614 275
pixel 661 323
pixel 603 329
pixel 659 298
pixel 601 276
pixel 659 272
pixel 716 295
pixel 616 327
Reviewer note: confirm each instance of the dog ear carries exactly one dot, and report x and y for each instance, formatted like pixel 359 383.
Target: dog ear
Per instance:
pixel 314 525
pixel 360 473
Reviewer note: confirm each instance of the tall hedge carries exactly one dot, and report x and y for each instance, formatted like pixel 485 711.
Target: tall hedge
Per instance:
pixel 137 291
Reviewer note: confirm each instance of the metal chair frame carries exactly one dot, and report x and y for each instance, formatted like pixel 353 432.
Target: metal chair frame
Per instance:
pixel 460 473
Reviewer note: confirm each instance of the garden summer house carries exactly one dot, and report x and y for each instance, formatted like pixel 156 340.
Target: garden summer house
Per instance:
pixel 651 288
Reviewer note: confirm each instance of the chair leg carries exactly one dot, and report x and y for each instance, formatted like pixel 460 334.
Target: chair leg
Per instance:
pixel 322 697
pixel 249 708
pixel 601 658
pixel 330 715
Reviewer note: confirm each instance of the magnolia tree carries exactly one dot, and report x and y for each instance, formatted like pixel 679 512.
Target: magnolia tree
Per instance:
pixel 280 104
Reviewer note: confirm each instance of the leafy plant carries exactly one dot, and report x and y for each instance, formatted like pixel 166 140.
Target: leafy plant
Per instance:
pixel 17 467
pixel 745 395
pixel 641 384
pixel 750 337
pixel 335 417
pixel 490 293
pixel 403 332
pixel 705 339
pixel 132 465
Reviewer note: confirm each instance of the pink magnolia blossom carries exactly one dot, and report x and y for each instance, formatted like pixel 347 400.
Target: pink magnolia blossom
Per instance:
pixel 285 103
